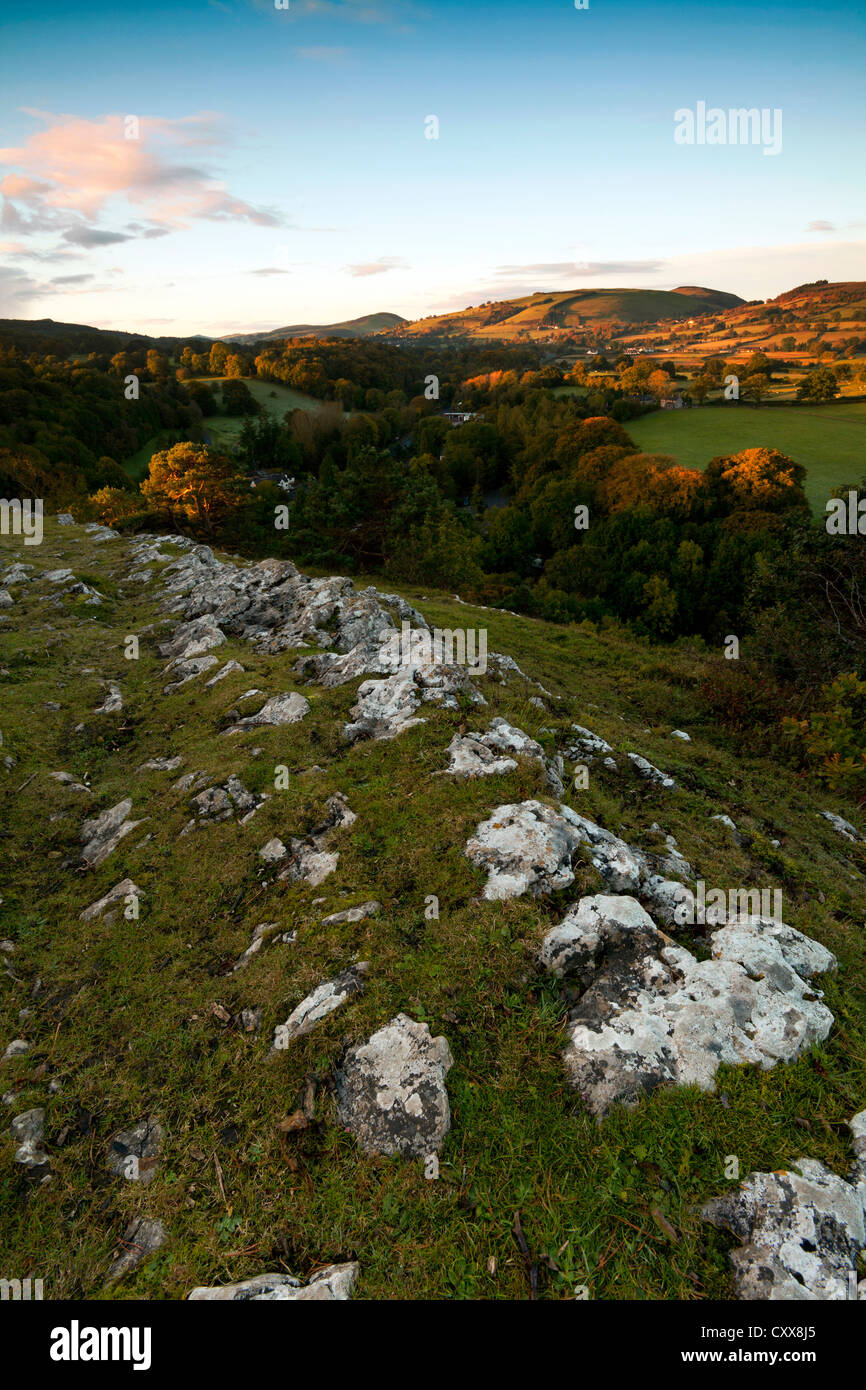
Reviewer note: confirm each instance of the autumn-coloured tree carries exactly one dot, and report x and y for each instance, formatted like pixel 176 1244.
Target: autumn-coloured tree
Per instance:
pixel 189 481
pixel 650 480
pixel 757 478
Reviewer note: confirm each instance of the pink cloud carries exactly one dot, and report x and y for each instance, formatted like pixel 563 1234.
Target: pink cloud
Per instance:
pixel 66 175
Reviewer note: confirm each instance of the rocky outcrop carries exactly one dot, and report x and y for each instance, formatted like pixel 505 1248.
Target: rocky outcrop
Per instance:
pixel 391 1090
pixel 495 752
pixel 529 847
pixel 651 1014
pixel 800 1231
pixel 309 861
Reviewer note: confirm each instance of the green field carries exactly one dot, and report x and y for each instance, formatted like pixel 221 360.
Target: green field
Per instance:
pixel 224 430
pixel 829 440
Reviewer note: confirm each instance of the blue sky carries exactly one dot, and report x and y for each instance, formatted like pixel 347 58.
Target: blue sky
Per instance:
pixel 281 172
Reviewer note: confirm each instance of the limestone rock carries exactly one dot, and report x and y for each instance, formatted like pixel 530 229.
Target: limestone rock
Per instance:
pixel 525 847
pixel 103 833
pixel 651 1014
pixel 125 889
pixel 113 701
pixel 492 753
pixel 800 1232
pixel 587 744
pixel 140 1239
pixel 28 1130
pixel 352 914
pixel 391 1090
pixel 193 639
pixel 320 1002
pixel 649 772
pixel 309 861
pixel 330 1285
pixel 187 669
pixel 134 1152
pixel 226 670
pixel 287 708
pixel 842 827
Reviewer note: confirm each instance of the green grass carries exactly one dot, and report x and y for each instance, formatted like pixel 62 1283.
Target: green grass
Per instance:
pixel 829 440
pixel 224 430
pixel 123 1017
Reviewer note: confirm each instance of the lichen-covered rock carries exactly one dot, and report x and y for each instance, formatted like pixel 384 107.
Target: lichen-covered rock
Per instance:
pixel 651 1014
pixel 287 708
pixel 134 1152
pixel 330 1285
pixel 140 1239
pixel 391 1090
pixel 649 772
pixel 525 847
pixel 800 1232
pixel 494 752
pixel 104 832
pixel 116 895
pixel 352 914
pixel 28 1130
pixel 841 826
pixel 529 847
pixel 320 1002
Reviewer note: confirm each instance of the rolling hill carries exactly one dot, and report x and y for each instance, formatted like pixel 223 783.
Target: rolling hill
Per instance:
pixel 544 313
pixel 362 327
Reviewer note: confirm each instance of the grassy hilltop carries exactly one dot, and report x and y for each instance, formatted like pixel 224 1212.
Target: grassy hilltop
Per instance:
pixel 140 1018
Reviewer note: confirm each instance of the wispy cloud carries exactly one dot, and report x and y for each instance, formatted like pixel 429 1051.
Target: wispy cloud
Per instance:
pixel 270 270
pixel 820 226
pixel 377 267
pixel 578 270
pixel 70 279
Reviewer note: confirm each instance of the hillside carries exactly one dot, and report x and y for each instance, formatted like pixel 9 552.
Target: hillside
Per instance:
pixel 352 328
pixel 544 313
pixel 326 967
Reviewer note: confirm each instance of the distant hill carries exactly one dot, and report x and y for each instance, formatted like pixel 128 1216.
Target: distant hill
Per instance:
pixel 363 327
pixel 538 315
pixel 718 298
pixel 43 335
